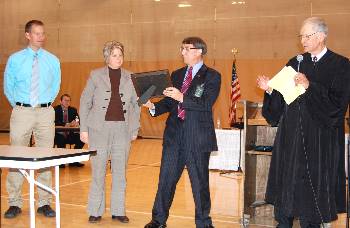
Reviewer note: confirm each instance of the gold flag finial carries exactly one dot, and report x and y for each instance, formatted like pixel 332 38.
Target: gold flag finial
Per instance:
pixel 234 51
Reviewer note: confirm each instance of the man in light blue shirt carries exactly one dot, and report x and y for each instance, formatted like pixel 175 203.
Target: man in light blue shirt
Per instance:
pixel 31 83
pixel 18 74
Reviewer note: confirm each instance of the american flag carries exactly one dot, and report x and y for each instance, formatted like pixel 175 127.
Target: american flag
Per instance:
pixel 235 93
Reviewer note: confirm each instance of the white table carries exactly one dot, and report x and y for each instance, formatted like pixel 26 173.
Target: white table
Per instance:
pixel 34 158
pixel 227 156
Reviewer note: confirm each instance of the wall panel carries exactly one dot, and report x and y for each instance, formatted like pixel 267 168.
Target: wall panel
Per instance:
pixel 326 7
pixel 150 11
pixel 18 12
pixel 262 9
pixel 264 32
pixel 83 44
pixel 339 33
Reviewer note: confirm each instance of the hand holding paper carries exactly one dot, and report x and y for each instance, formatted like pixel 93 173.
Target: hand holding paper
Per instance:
pixel 301 79
pixel 284 83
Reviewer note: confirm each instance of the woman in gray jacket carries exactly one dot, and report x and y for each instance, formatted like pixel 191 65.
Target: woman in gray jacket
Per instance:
pixel 109 120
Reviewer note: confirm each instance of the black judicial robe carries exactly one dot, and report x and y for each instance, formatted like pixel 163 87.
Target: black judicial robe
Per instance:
pixel 307 171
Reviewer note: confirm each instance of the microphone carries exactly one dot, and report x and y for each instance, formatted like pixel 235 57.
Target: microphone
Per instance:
pixel 146 95
pixel 299 59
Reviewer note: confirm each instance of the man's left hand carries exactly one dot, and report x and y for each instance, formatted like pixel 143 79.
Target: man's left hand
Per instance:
pixel 300 79
pixel 73 124
pixel 174 93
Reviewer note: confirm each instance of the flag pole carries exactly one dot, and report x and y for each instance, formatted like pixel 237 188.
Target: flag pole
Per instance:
pixel 348 176
pixel 232 120
pixel 233 113
pixel 240 126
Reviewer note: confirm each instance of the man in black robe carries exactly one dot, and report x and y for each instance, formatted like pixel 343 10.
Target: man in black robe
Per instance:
pixel 307 171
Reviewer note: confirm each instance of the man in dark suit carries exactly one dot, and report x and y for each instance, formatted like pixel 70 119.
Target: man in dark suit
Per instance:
pixel 65 115
pixel 189 135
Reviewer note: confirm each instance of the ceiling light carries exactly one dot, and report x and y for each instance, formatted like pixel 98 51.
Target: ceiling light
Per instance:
pixel 184 4
pixel 239 3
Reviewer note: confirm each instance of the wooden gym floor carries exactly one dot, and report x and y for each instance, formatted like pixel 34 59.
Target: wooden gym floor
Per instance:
pixel 142 177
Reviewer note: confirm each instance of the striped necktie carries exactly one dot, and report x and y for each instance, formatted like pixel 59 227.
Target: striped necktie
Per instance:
pixel 185 85
pixel 34 88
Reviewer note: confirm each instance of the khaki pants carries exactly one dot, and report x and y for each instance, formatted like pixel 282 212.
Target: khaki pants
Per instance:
pixel 24 121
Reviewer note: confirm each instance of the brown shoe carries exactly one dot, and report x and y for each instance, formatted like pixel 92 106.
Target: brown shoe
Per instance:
pixel 94 219
pixel 123 219
pixel 12 212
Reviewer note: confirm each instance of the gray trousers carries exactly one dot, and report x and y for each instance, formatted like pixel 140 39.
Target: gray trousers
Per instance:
pixel 112 142
pixel 24 121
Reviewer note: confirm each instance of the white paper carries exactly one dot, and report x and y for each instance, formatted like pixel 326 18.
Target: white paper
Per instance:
pixel 284 83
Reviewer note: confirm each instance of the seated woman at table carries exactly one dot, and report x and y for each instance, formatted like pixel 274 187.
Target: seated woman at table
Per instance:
pixel 109 120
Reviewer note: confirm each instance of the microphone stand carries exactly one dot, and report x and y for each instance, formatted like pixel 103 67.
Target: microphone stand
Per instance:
pixel 240 126
pixel 348 172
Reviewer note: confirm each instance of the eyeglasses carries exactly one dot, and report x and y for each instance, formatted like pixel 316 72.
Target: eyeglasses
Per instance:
pixel 187 48
pixel 307 36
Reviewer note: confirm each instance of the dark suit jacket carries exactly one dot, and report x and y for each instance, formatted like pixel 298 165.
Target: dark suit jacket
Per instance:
pixel 199 132
pixel 72 113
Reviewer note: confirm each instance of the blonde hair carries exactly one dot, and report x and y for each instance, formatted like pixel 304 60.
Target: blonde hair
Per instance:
pixel 110 46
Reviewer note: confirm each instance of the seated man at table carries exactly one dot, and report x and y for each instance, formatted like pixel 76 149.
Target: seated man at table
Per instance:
pixel 65 115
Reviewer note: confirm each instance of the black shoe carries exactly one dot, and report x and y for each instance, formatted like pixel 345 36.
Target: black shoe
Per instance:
pixel 12 212
pixel 47 211
pixel 155 224
pixel 76 164
pixel 123 219
pixel 94 219
pixel 209 226
pixel 63 166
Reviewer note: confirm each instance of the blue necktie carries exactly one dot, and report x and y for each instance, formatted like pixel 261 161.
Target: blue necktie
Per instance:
pixel 34 90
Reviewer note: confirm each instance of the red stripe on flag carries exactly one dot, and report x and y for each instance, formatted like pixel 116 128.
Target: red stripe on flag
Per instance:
pixel 235 94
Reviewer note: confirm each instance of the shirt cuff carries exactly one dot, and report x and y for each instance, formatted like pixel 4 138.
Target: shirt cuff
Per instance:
pixel 152 111
pixel 268 92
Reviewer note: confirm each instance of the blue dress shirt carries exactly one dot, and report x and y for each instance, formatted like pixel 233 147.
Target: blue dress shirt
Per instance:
pixel 18 74
pixel 195 69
